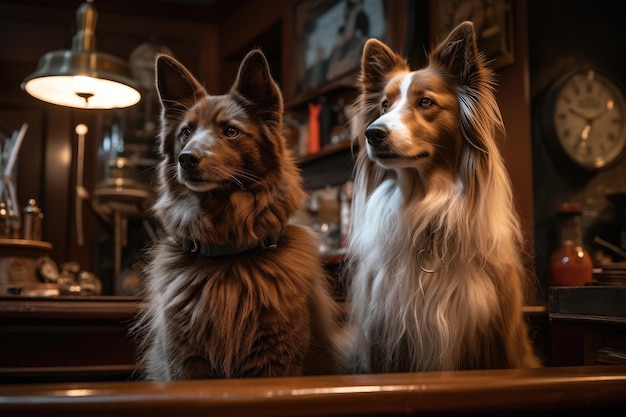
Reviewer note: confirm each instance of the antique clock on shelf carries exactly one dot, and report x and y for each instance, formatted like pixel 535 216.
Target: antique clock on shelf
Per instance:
pixel 584 119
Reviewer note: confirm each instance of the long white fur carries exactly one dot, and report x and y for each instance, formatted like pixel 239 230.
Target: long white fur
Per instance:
pixel 460 225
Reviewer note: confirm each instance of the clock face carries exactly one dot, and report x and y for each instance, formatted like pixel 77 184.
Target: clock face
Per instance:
pixel 589 117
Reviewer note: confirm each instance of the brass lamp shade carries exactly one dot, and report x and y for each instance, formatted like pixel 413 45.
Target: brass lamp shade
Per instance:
pixel 82 77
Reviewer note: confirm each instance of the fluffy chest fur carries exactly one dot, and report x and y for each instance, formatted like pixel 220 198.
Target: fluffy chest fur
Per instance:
pixel 412 291
pixel 230 317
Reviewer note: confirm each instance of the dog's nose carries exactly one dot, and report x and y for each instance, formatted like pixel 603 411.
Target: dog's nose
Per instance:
pixel 188 159
pixel 376 134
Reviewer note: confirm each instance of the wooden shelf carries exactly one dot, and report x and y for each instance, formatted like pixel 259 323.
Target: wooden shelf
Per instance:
pixel 325 151
pixel 26 244
pixel 345 83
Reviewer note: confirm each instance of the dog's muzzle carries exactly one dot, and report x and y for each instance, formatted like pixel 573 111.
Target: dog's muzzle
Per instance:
pixel 189 172
pixel 188 159
pixel 376 135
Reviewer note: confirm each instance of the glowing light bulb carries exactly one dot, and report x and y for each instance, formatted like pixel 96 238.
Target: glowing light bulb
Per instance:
pixel 83 87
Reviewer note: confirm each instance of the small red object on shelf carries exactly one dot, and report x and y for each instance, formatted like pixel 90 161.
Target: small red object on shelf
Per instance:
pixel 314 127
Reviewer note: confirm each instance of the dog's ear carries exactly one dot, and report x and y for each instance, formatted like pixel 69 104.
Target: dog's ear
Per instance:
pixel 480 115
pixel 255 86
pixel 178 89
pixel 377 62
pixel 459 54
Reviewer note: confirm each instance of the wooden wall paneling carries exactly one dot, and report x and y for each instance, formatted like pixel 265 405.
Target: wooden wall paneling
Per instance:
pixel 399 23
pixel 513 95
pixel 58 163
pixel 194 44
pixel 246 23
pixel 287 53
pixel 209 68
pixel 267 27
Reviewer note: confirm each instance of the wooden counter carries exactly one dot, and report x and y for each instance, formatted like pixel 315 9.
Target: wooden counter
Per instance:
pixel 593 390
pixel 46 343
pixel 55 339
pixel 598 314
pixel 80 338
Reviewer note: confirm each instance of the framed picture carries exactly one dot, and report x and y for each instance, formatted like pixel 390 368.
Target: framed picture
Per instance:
pixel 493 21
pixel 329 36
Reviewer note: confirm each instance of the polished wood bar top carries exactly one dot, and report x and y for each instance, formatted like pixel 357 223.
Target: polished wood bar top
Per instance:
pixel 592 390
pixel 83 307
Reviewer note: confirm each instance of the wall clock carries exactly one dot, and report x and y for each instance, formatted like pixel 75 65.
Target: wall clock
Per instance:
pixel 585 117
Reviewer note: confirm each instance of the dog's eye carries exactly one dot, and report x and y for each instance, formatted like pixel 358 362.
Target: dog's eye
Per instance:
pixel 231 132
pixel 185 132
pixel 425 102
pixel 384 105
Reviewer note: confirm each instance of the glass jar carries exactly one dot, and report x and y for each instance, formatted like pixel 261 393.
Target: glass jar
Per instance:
pixel 32 221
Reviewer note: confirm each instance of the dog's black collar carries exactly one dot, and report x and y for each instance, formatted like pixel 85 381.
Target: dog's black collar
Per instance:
pixel 216 251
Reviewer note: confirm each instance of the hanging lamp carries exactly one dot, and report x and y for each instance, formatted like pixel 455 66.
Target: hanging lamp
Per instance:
pixel 82 77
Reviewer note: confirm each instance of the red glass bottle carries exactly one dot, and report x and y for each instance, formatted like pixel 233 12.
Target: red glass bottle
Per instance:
pixel 570 264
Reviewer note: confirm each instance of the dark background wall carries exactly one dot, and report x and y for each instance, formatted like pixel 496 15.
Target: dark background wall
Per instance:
pixel 564 35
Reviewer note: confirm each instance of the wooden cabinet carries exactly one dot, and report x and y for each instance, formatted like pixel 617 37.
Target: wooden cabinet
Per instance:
pixel 66 339
pixel 588 325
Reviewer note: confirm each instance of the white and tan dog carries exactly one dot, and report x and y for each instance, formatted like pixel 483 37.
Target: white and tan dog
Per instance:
pixel 435 257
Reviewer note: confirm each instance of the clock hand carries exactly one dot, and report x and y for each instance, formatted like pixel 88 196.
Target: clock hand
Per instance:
pixel 584 135
pixel 582 116
pixel 610 104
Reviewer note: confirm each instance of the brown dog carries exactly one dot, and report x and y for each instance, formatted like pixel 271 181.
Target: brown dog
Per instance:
pixel 232 288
